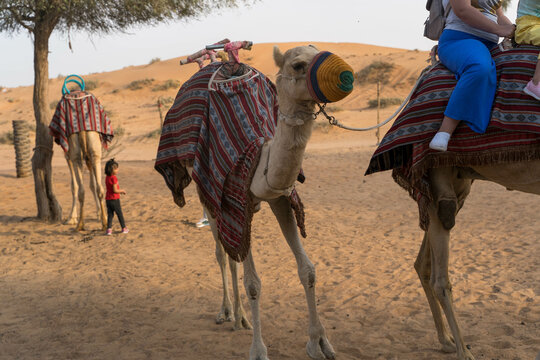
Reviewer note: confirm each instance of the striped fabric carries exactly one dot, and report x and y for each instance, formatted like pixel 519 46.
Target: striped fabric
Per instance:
pixel 513 133
pixel 79 111
pixel 219 127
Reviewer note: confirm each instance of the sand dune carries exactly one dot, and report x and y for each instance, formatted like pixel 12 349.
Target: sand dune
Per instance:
pixel 154 293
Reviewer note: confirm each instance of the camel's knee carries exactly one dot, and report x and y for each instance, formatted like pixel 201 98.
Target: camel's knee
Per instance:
pixel 446 212
pixel 307 275
pixel 253 288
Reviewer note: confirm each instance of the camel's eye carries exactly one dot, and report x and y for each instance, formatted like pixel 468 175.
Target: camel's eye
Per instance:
pixel 299 66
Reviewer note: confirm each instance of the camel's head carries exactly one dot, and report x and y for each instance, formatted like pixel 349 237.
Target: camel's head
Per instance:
pixel 307 74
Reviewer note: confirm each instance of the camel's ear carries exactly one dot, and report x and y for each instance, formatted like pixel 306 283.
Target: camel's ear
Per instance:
pixel 278 57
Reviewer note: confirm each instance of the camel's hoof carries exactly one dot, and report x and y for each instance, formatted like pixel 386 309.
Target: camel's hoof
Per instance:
pixel 448 345
pixel 466 355
pixel 224 315
pixel 71 221
pixel 447 213
pixel 320 350
pixel 243 324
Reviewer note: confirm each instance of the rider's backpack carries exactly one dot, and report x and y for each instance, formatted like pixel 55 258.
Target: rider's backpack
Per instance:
pixel 434 24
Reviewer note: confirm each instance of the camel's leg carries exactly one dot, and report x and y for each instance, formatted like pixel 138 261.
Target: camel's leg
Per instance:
pixel 72 218
pixel 226 313
pixel 252 284
pixel 438 239
pixel 93 190
pixel 423 268
pixel 76 154
pixel 240 319
pixel 93 161
pixel 318 346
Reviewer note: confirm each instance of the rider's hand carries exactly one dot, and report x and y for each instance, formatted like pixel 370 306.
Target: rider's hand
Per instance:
pixel 506 30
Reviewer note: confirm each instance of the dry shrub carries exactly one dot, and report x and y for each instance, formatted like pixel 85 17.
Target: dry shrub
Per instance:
pixel 6 137
pixel 139 84
pixel 385 102
pixel 374 72
pixel 168 84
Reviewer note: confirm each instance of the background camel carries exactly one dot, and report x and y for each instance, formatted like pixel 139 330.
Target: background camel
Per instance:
pixel 274 172
pixel 451 186
pixel 85 148
pixel 81 127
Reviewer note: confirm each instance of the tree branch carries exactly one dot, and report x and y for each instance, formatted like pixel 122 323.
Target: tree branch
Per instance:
pixel 20 19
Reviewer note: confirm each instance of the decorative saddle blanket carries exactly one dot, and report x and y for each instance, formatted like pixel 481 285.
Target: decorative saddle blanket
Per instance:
pixel 512 135
pixel 219 127
pixel 78 111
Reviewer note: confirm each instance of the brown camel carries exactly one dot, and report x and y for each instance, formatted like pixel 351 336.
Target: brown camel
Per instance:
pixel 450 187
pixel 273 180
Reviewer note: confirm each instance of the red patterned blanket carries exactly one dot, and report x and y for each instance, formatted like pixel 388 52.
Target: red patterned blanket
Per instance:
pixel 219 128
pixel 78 111
pixel 513 133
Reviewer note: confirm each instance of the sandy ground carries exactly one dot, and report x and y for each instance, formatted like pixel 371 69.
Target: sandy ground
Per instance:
pixel 154 293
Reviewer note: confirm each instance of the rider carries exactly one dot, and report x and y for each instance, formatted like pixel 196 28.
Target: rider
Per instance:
pixel 472 28
pixel 528 32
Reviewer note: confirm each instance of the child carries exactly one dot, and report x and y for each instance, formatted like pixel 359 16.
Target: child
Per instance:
pixel 113 196
pixel 528 32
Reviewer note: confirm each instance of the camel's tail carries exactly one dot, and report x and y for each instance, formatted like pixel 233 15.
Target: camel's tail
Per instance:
pixel 83 142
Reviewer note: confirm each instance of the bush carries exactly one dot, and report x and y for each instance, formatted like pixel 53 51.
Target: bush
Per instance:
pixel 90 85
pixel 385 102
pixel 166 100
pixel 167 85
pixel 154 60
pixel 115 146
pixel 139 84
pixel 376 71
pixel 154 134
pixel 6 138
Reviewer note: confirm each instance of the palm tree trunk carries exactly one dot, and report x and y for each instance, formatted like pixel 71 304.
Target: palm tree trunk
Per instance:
pixel 48 207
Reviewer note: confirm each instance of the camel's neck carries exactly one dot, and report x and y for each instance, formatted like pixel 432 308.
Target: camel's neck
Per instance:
pixel 289 143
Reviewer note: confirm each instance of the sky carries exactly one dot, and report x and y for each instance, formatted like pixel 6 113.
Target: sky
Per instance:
pixel 391 23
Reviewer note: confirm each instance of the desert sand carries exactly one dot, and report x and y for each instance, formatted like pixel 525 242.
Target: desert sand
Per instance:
pixel 154 293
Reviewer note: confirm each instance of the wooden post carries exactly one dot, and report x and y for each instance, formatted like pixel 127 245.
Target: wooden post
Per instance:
pixel 378 134
pixel 159 106
pixel 21 141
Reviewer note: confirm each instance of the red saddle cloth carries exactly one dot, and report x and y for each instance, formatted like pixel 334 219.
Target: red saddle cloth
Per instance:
pixel 512 135
pixel 218 128
pixel 78 111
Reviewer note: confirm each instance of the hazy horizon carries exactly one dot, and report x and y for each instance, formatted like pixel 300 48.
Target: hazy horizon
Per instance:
pixel 344 22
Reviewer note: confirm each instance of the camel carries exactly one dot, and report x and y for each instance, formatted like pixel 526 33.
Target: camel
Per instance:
pixel 450 187
pixel 273 180
pixel 81 127
pixel 85 146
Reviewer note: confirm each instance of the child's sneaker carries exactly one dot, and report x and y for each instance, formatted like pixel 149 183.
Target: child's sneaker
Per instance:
pixel 202 223
pixel 109 232
pixel 532 90
pixel 125 230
